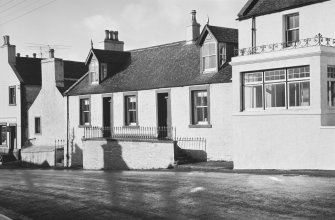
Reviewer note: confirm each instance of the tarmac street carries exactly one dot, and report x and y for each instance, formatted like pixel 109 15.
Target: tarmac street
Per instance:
pixel 78 194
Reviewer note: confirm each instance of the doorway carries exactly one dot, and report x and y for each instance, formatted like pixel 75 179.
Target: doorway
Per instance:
pixel 107 116
pixel 12 143
pixel 163 115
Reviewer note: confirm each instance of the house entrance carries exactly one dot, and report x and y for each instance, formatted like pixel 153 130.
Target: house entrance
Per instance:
pixel 107 119
pixel 163 114
pixel 12 138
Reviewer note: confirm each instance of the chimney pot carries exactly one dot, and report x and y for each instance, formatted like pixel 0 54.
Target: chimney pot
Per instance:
pixel 6 40
pixel 116 35
pixel 27 55
pixel 18 55
pixel 194 19
pixel 51 53
pixel 106 34
pixel 111 35
pixel 34 55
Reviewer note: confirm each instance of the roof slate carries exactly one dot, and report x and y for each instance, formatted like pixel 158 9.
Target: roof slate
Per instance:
pixel 109 56
pixel 261 7
pixel 170 65
pixel 222 34
pixel 29 69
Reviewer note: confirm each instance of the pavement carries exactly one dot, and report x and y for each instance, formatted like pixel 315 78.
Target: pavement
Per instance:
pixel 81 194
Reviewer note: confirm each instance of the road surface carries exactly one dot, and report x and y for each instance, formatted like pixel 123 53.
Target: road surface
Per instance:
pixel 77 194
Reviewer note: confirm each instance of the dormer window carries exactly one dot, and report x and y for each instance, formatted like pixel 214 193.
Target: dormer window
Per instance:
pixel 103 71
pixel 94 70
pixel 222 53
pixel 209 54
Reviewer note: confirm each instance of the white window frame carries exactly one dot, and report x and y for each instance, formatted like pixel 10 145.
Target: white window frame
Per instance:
pixel 330 79
pixel 301 80
pixel 39 125
pixel 94 71
pixel 252 84
pixel 287 30
pixel 209 40
pixel 128 110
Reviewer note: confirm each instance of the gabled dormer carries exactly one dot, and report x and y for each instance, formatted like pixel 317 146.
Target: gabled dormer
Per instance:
pixel 104 63
pixel 217 45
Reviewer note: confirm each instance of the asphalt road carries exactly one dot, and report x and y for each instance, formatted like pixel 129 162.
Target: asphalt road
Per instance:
pixel 76 194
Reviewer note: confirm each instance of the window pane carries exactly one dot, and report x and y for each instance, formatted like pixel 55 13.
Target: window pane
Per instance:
pixel 222 51
pixel 292 36
pixel 86 117
pixel 84 111
pixel 292 21
pixel 274 75
pixel 212 49
pixel 205 50
pixel 331 72
pixel 212 61
pixel 253 77
pixel 299 94
pixel 37 125
pixel 253 97
pixel 299 72
pixel 131 110
pixel 331 93
pixel 275 95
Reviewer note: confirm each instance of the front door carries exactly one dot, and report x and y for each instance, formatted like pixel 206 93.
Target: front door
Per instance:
pixel 12 138
pixel 163 115
pixel 107 119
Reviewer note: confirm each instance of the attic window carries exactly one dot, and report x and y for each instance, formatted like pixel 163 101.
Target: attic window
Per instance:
pixel 94 70
pixel 222 53
pixel 103 71
pixel 209 55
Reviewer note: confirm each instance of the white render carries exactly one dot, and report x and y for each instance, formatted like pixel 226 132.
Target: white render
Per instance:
pixel 218 138
pixel 296 138
pixel 10 114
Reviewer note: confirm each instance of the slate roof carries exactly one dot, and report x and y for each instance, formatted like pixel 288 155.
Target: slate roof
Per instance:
pixel 222 34
pixel 72 72
pixel 164 66
pixel 263 7
pixel 29 69
pixel 108 56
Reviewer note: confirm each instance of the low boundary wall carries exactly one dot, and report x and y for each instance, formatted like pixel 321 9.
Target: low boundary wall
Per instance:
pixel 127 154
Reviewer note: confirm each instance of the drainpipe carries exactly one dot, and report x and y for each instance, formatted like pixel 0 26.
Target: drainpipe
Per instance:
pixel 67 131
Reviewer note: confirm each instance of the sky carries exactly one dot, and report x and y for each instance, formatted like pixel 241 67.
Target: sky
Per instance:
pixel 68 26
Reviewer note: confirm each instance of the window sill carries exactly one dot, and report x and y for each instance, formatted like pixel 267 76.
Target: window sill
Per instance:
pixel 200 126
pixel 12 104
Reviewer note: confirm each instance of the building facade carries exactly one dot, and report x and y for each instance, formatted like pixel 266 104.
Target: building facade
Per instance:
pixel 283 86
pixel 183 86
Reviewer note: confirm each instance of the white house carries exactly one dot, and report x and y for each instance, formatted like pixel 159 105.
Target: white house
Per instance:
pixel 19 85
pixel 183 87
pixel 284 85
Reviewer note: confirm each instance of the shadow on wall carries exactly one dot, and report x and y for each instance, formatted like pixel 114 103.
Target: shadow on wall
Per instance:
pixel 112 154
pixel 190 155
pixel 75 151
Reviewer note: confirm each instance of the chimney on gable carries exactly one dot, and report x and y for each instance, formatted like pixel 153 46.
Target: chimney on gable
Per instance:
pixel 10 50
pixel 52 71
pixel 193 30
pixel 112 42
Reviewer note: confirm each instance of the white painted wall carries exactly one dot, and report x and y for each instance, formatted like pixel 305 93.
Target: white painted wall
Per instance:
pixel 9 114
pixel 219 137
pixel 314 19
pixel 288 138
pixel 50 106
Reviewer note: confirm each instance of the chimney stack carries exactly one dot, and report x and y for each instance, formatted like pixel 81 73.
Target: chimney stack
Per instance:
pixel 18 54
pixel 51 53
pixel 193 30
pixel 34 55
pixel 112 42
pixel 27 56
pixel 6 40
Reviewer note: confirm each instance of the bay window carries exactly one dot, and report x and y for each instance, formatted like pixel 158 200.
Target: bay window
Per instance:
pixel 270 87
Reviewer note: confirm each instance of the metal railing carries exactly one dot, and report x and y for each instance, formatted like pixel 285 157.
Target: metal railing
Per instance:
pixel 318 40
pixel 133 133
pixel 190 143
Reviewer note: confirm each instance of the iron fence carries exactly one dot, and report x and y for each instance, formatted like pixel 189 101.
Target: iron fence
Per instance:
pixel 318 40
pixel 191 143
pixel 134 133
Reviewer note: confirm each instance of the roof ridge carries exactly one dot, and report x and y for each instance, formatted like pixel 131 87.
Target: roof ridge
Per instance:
pixel 157 46
pixel 222 27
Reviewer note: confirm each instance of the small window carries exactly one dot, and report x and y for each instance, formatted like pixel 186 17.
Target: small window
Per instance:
pixel 103 71
pixel 37 125
pixel 85 117
pixel 3 135
pixel 131 110
pixel 94 70
pixel 200 113
pixel 222 53
pixel 291 29
pixel 331 86
pixel 12 95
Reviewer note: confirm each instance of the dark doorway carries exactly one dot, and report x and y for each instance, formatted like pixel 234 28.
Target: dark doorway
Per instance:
pixel 163 115
pixel 107 119
pixel 12 138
